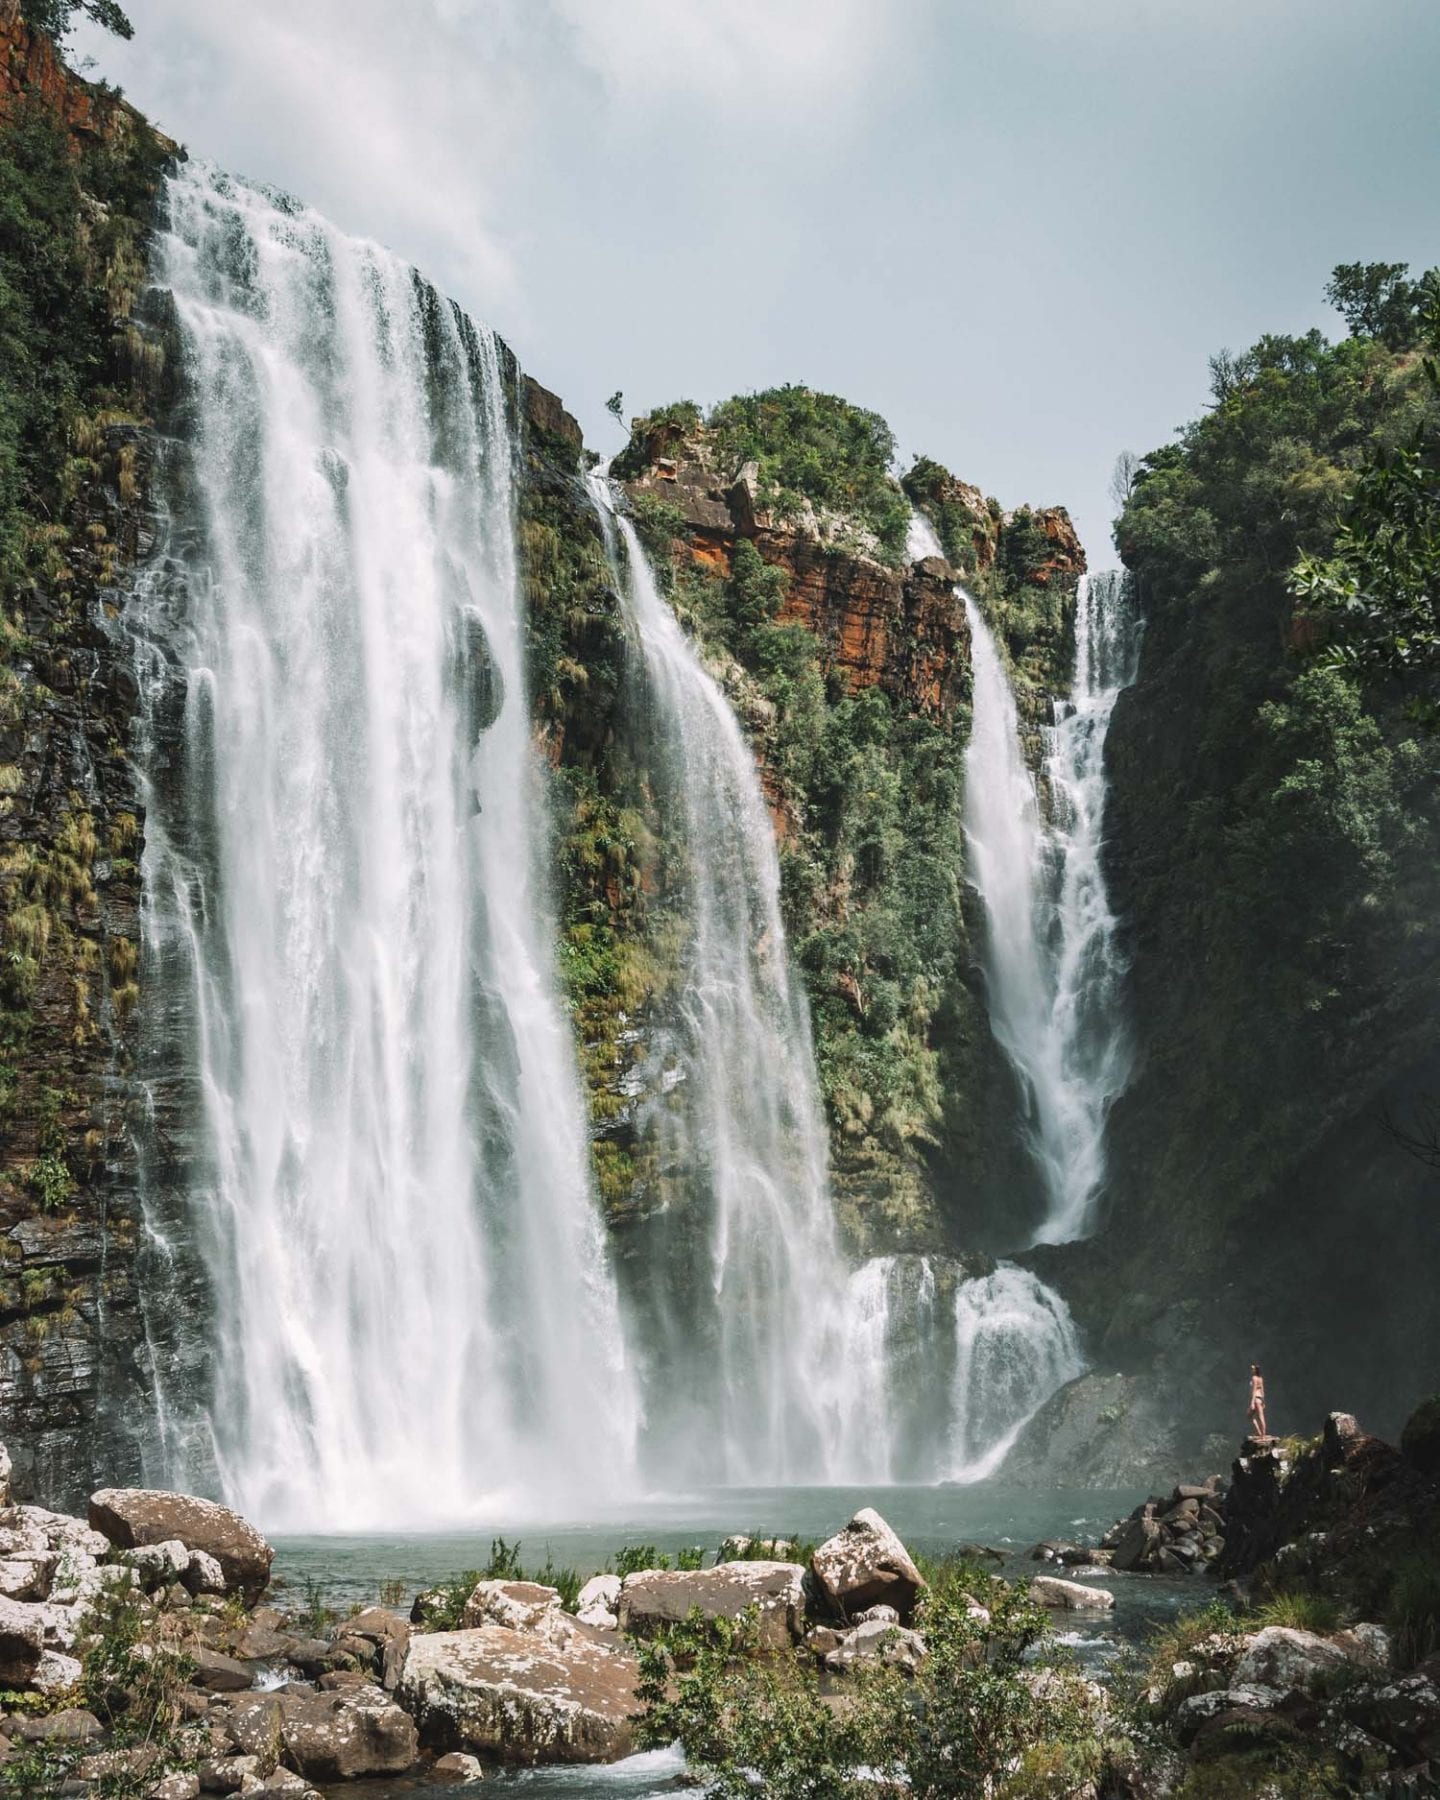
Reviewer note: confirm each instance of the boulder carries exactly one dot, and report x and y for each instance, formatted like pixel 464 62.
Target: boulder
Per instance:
pixel 1366 1644
pixel 866 1563
pixel 1290 1661
pixel 1136 1544
pixel 28 1575
pixel 522 1605
pixel 388 1633
pixel 22 1640
pixel 326 1737
pixel 56 1673
pixel 131 1517
pixel 1070 1596
pixel 657 1598
pixel 456 1766
pixel 157 1565
pixel 878 1640
pixel 5 1472
pixel 522 1697
pixel 73 1726
pixel 598 1602
pixel 1404 1713
pixel 218 1674
pixel 1192 1714
pixel 204 1575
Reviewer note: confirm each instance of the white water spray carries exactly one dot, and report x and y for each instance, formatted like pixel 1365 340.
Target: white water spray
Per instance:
pixel 755 1352
pixel 1054 968
pixel 411 1305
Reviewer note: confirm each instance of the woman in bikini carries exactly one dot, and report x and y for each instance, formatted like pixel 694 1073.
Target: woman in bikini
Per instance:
pixel 1257 1402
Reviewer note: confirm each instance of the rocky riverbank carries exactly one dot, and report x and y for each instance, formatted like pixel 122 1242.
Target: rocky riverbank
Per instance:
pixel 146 1653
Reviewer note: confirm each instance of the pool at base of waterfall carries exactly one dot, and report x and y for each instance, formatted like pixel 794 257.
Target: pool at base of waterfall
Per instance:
pixel 346 1572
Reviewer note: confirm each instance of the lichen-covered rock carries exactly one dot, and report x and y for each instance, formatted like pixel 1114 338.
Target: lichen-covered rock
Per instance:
pixel 132 1517
pixel 598 1602
pixel 878 1640
pixel 521 1697
pixel 522 1605
pixel 1070 1596
pixel 326 1737
pixel 866 1563
pixel 22 1640
pixel 1194 1713
pixel 1291 1661
pixel 657 1598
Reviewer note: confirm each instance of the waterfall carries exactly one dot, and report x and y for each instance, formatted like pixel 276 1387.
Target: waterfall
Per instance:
pixel 1015 1345
pixel 746 1335
pixel 407 1303
pixel 1053 966
pixel 954 1365
pixel 900 1370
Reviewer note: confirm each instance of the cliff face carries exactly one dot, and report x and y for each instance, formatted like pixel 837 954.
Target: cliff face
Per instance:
pixel 77 168
pixel 850 669
pixel 1274 853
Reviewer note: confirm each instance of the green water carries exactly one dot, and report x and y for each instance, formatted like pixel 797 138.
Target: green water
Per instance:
pixel 349 1571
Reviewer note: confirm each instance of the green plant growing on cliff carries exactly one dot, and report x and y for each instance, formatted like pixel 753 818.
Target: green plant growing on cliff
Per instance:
pixel 57 17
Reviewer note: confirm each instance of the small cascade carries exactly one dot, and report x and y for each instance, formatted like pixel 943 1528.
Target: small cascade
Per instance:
pixel 956 1365
pixel 1015 1345
pixel 744 1335
pixel 1053 964
pixel 381 1294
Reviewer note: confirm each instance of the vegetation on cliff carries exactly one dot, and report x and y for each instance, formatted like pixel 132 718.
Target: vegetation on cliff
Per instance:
pixel 1274 842
pixel 78 173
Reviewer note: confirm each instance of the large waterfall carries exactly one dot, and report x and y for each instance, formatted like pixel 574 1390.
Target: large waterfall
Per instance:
pixel 749 1329
pixel 410 1308
pixel 793 1369
pixel 1054 970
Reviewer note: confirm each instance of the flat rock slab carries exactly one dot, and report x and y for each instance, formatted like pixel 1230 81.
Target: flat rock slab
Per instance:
pixel 655 1599
pixel 864 1564
pixel 132 1517
pixel 522 1697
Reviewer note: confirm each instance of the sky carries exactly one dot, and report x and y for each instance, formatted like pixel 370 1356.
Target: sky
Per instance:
pixel 1016 228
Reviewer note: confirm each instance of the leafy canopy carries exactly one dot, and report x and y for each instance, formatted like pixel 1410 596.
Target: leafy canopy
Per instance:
pixel 56 17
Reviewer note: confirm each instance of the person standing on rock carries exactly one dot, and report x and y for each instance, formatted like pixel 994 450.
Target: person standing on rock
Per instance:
pixel 1257 1402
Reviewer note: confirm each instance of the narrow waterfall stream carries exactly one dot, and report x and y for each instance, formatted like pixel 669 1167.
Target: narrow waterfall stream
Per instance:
pixel 1054 970
pixel 755 1328
pixel 405 1304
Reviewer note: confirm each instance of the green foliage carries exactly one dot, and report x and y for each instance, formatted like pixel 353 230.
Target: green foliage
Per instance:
pixel 441 1608
pixel 56 17
pixel 1289 808
pixel 982 1716
pixel 504 1563
pixel 50 1180
pixel 1303 1610
pixel 820 448
pixel 632 1558
pixel 1375 300
pixel 1376 596
pixel 1412 1604
pixel 316 1614
pixel 690 1556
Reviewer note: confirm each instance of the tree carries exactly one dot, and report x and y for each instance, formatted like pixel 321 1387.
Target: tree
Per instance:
pixel 1375 300
pixel 616 405
pixel 55 17
pixel 1122 478
pixel 1378 592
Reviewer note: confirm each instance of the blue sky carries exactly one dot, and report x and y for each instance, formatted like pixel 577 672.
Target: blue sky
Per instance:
pixel 1016 229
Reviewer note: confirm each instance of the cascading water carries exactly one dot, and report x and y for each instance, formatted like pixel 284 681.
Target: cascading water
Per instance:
pixel 410 1304
pixel 1054 969
pixel 794 1370
pixel 1015 1345
pixel 752 1333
